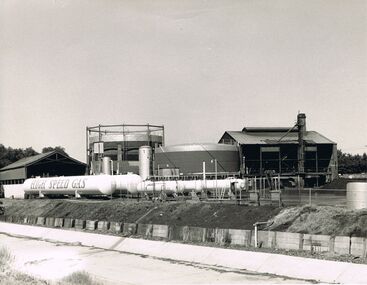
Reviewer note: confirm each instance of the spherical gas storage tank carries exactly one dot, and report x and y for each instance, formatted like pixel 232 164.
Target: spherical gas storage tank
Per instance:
pixel 189 158
pixel 356 195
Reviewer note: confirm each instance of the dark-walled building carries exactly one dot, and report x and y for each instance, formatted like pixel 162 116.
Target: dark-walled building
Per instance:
pixel 48 164
pixel 288 152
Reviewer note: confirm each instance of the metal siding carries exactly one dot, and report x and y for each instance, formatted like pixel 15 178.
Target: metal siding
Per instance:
pixel 192 161
pixel 12 174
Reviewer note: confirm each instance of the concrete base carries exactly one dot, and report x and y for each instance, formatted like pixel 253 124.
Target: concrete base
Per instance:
pixel 296 267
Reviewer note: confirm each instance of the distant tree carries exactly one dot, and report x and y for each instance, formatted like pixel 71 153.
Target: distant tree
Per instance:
pixel 9 155
pixel 349 163
pixel 58 148
pixel 30 152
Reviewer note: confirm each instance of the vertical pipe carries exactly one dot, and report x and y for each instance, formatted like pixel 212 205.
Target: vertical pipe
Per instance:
pixel 242 159
pixel 123 143
pixel 216 175
pixel 99 132
pixel 317 168
pixel 279 181
pixel 280 162
pixel 261 162
pixel 255 235
pixel 163 136
pixel 204 174
pixel 299 188
pixel 204 178
pixel 149 136
pixel 241 194
pixel 255 186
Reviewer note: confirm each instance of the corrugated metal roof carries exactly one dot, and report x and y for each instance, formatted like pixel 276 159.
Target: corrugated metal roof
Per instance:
pixel 311 137
pixel 267 130
pixel 197 147
pixel 35 158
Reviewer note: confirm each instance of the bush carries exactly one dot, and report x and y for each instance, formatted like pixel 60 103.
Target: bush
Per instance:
pixel 80 278
pixel 5 258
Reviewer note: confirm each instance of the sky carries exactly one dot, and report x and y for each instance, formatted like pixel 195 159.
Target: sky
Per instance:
pixel 199 68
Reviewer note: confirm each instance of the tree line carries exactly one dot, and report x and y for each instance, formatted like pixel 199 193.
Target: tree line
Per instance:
pixel 349 163
pixel 9 155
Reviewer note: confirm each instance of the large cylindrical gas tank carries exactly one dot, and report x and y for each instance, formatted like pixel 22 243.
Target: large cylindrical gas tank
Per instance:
pixel 145 159
pixel 356 195
pixel 70 185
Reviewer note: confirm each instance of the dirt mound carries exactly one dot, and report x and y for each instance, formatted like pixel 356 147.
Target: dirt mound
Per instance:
pixel 145 212
pixel 322 220
pixel 210 215
pixel 83 209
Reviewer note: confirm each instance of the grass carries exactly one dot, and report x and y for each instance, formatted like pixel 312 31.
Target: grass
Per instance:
pixel 5 258
pixel 79 278
pixel 18 278
pixel 11 277
pixel 325 220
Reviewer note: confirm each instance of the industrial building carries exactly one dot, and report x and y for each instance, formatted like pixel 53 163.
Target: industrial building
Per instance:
pixel 121 144
pixel 49 164
pixel 287 152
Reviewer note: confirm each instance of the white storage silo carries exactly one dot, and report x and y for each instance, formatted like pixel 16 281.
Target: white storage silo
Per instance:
pixel 145 160
pixel 106 165
pixel 356 195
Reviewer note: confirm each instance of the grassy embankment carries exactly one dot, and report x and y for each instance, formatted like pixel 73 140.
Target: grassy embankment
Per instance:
pixel 170 213
pixel 324 220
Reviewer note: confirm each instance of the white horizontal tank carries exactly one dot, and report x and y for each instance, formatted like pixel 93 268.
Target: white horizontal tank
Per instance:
pixel 128 182
pixel 186 186
pixel 356 195
pixel 70 185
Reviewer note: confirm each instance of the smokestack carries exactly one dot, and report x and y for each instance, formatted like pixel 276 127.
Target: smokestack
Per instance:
pixel 301 123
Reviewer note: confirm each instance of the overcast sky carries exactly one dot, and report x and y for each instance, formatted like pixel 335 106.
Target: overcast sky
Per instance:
pixel 200 68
